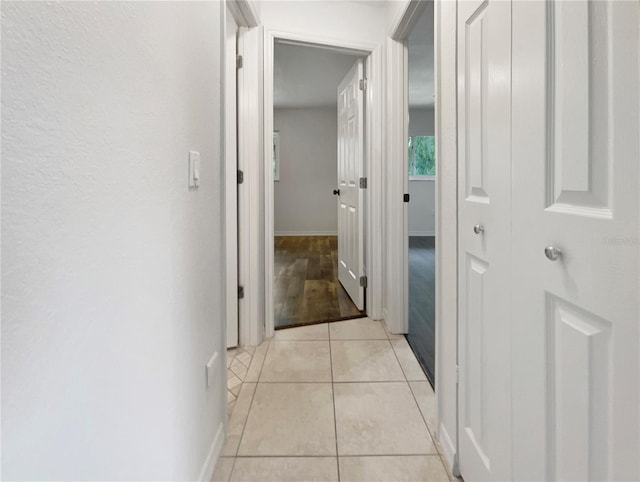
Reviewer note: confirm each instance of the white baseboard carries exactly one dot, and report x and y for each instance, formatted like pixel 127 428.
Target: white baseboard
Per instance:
pixel 209 466
pixel 448 448
pixel 422 233
pixel 306 233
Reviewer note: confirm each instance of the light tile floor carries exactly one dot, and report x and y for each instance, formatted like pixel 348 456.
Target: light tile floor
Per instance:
pixel 238 363
pixel 343 401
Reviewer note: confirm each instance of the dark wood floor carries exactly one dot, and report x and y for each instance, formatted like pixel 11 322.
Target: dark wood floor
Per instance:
pixel 306 287
pixel 422 305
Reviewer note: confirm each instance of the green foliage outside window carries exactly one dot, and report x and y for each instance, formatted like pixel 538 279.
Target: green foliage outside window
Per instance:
pixel 422 156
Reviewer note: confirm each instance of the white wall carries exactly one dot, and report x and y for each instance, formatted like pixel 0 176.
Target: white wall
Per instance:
pixel 423 201
pixel 111 267
pixel 304 200
pixel 422 208
pixel 347 21
pixel 394 11
pixel 421 121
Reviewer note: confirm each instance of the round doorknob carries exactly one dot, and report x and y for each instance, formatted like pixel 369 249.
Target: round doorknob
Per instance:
pixel 552 253
pixel 336 192
pixel 478 228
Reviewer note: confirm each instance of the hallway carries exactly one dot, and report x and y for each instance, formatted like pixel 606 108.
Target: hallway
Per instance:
pixel 341 401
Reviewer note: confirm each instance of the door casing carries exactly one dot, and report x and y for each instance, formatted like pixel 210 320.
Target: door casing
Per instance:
pixel 372 165
pixel 230 168
pixel 396 275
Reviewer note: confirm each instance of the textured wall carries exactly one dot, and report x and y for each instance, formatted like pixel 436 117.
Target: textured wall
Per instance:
pixel 303 198
pixel 111 273
pixel 345 21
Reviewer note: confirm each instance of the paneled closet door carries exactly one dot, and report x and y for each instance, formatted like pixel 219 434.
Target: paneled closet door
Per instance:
pixel 575 241
pixel 484 82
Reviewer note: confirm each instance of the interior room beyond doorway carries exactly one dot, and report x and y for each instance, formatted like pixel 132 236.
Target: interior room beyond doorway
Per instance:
pixel 422 175
pixel 306 288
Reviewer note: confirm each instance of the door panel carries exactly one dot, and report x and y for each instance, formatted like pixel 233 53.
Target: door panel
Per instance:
pixel 579 177
pixel 484 57
pixel 575 331
pixel 350 168
pixel 578 360
pixel 474 356
pixel 475 79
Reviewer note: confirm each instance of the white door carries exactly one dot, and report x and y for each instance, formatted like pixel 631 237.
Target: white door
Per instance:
pixel 575 168
pixel 231 191
pixel 484 197
pixel 350 169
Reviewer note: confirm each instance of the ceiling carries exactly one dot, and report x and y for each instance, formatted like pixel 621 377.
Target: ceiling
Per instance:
pixel 421 83
pixel 306 76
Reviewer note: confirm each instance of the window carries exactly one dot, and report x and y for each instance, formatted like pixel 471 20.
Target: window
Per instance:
pixel 422 157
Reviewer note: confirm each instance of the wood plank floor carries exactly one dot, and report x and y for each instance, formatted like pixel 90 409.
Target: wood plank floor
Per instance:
pixel 422 304
pixel 306 287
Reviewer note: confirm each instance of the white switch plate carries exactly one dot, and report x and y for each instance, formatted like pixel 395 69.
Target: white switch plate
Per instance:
pixel 212 369
pixel 194 169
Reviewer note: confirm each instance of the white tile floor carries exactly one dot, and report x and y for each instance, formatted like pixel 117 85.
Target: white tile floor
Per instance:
pixel 343 401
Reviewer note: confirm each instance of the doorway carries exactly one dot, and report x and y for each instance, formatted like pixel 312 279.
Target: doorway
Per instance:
pixel 306 249
pixel 421 180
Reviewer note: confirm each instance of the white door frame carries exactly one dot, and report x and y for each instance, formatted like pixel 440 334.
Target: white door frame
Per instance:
pixel 372 166
pixel 246 18
pixel 446 279
pixel 230 193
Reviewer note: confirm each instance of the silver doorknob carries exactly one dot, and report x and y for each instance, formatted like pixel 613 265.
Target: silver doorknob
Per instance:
pixel 552 253
pixel 478 228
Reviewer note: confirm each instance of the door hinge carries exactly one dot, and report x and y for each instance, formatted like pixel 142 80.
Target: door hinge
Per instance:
pixel 363 183
pixel 238 61
pixel 240 292
pixel 363 281
pixel 363 84
pixel 240 176
pixel 406 198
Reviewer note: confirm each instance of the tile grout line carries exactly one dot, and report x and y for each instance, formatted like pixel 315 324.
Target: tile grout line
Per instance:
pixel 435 443
pixel 310 456
pixel 253 396
pixel 333 396
pixel 338 383
pixel 433 440
pixel 415 399
pixel 333 382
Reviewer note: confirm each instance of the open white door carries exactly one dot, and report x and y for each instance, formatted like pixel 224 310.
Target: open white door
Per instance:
pixel 576 403
pixel 231 189
pixel 350 169
pixel 484 199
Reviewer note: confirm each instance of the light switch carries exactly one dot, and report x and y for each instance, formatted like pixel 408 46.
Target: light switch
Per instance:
pixel 194 169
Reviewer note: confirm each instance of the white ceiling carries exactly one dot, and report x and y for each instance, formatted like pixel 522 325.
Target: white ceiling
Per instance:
pixel 307 76
pixel 421 82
